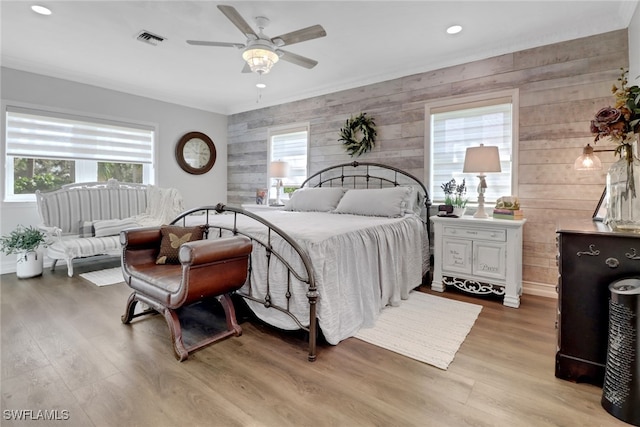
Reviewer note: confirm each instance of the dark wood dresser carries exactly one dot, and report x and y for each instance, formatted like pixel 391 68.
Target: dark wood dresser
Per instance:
pixel 590 257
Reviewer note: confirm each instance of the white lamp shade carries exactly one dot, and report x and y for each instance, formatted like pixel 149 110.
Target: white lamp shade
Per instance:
pixel 279 169
pixel 482 159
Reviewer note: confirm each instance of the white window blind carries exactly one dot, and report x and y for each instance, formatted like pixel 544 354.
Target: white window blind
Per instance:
pixel 291 148
pixel 45 135
pixel 453 130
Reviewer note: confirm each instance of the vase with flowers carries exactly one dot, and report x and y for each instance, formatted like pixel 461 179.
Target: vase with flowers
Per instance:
pixel 454 195
pixel 621 125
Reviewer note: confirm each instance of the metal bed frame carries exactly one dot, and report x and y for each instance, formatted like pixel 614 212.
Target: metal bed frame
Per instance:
pixel 355 175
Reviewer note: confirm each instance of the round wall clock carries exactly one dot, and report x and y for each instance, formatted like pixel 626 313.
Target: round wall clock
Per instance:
pixel 196 153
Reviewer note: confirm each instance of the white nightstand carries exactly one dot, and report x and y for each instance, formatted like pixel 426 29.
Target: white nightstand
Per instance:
pixel 480 256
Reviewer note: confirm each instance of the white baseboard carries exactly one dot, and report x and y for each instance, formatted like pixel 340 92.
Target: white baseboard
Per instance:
pixel 539 289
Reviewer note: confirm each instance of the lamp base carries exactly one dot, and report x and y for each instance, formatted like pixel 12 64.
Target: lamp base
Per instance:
pixel 480 213
pixel 278 202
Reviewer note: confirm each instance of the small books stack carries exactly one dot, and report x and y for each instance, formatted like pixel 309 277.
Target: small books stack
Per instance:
pixel 508 213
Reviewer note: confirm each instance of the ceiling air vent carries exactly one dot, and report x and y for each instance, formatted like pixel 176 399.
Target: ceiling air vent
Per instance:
pixel 147 37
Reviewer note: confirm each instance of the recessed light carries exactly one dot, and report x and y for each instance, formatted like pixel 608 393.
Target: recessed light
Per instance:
pixel 41 9
pixel 454 29
pixel 261 85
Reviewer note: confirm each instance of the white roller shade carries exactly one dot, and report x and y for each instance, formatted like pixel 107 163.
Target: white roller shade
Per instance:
pixel 454 130
pixel 291 148
pixel 36 134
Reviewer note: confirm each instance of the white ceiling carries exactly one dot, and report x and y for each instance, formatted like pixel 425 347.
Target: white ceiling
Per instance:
pixel 94 42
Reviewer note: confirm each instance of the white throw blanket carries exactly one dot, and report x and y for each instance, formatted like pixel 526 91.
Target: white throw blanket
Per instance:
pixel 163 206
pixel 361 264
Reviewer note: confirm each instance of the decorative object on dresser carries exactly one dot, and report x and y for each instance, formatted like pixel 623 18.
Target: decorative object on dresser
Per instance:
pixel 601 209
pixel 480 256
pixel 481 160
pixel 454 196
pixel 261 196
pixel 508 207
pixel 590 257
pixel 621 125
pixel 508 214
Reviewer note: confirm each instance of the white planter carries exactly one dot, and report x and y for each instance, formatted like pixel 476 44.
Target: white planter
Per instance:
pixel 29 264
pixel 459 211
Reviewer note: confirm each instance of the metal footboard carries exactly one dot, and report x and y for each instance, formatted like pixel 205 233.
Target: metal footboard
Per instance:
pixel 304 275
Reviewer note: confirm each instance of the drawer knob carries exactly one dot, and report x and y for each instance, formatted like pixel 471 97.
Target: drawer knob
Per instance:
pixel 632 255
pixel 612 262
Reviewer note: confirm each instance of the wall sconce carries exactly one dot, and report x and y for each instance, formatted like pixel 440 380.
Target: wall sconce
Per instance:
pixel 278 170
pixel 480 160
pixel 589 161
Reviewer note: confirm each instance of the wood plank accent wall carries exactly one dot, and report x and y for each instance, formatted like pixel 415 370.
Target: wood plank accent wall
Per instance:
pixel 561 87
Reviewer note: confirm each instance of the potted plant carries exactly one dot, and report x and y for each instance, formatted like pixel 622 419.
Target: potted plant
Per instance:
pixel 455 195
pixel 24 242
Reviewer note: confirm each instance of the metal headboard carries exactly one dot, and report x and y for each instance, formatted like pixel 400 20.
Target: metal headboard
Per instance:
pixel 369 175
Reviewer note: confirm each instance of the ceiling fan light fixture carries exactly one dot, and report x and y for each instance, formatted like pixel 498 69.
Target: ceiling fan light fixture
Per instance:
pixel 260 60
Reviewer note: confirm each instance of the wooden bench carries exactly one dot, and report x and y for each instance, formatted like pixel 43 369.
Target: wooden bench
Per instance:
pixel 208 268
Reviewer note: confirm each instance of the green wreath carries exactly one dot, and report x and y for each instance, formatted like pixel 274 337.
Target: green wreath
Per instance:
pixel 354 128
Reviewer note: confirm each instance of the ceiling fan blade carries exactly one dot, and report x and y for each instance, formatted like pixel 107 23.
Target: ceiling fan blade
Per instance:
pixel 232 14
pixel 220 44
pixel 309 33
pixel 297 59
pixel 246 68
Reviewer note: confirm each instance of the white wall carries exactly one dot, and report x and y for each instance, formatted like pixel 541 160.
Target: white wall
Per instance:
pixel 172 122
pixel 634 47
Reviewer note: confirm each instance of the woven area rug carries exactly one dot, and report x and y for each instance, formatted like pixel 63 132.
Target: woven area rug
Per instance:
pixel 110 276
pixel 424 327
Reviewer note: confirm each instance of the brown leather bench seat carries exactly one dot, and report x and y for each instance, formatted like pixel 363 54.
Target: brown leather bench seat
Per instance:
pixel 208 268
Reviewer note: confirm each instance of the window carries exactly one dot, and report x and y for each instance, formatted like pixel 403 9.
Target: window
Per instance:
pixel 289 145
pixel 45 150
pixel 455 124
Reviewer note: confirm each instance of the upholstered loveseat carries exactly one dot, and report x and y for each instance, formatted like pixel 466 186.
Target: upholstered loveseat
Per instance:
pixel 85 219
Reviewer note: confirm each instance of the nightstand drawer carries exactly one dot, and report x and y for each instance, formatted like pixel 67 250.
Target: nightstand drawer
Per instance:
pixel 476 233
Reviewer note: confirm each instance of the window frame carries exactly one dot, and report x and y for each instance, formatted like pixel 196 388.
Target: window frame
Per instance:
pixel 463 102
pixel 283 130
pixel 82 166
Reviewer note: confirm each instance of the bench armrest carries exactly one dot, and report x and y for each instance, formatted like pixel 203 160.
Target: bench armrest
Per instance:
pixel 140 245
pixel 210 251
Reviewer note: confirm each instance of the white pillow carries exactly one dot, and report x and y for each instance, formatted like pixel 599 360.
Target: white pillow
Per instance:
pixel 316 199
pixel 389 202
pixel 415 201
pixel 112 227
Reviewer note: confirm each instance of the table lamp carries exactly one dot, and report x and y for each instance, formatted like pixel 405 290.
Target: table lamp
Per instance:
pixel 278 170
pixel 480 160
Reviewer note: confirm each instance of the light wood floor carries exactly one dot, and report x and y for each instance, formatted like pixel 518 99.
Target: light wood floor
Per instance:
pixel 64 348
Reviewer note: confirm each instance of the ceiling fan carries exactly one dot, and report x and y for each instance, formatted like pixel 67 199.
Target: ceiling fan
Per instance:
pixel 259 51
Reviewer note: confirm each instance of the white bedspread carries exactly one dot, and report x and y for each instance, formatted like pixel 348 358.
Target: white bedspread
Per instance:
pixel 361 264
